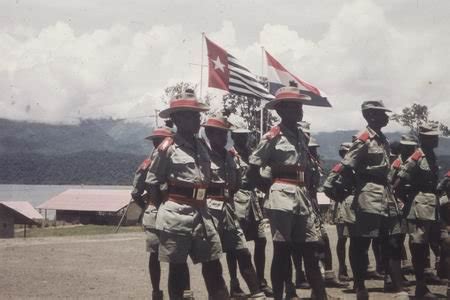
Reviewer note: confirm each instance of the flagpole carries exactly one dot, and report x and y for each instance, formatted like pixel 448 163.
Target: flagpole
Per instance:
pixel 261 129
pixel 201 67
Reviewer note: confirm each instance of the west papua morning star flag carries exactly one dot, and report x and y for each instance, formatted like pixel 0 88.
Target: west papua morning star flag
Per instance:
pixel 278 77
pixel 226 73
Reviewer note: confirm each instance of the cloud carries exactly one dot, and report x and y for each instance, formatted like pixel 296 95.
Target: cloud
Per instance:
pixel 362 51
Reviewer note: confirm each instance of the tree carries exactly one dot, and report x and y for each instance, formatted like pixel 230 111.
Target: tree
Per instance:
pixel 416 115
pixel 173 90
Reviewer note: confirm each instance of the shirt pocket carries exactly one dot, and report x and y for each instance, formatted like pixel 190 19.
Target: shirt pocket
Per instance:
pixel 424 206
pixel 149 217
pixel 183 167
pixel 286 153
pixel 370 198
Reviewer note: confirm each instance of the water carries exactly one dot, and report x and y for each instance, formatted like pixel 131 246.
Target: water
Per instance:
pixel 38 194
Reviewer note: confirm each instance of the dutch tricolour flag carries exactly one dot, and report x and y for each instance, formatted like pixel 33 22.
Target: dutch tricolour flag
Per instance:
pixel 278 77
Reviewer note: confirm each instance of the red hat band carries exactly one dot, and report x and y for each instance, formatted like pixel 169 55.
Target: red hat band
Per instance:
pixel 183 103
pixel 212 122
pixel 290 95
pixel 161 132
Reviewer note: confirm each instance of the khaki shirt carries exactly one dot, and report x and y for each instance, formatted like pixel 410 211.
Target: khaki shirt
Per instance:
pixel 342 211
pixel 287 149
pixel 148 219
pixel 182 164
pixel 368 157
pixel 245 199
pixel 421 173
pixel 224 174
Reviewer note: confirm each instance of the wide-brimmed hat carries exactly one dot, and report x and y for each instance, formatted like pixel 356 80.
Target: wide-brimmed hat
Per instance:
pixel 409 140
pixel 313 142
pixel 429 129
pixel 375 105
pixel 218 122
pixel 185 101
pixel 160 132
pixel 288 94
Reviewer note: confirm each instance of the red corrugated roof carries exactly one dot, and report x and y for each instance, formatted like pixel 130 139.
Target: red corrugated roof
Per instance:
pixel 89 200
pixel 23 208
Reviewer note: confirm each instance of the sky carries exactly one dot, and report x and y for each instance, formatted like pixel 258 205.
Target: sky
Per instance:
pixel 65 60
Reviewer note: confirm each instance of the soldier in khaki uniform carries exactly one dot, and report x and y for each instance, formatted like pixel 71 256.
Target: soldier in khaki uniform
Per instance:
pixel 285 150
pixel 225 181
pixel 419 176
pixel 149 218
pixel 180 174
pixel 248 209
pixel 444 202
pixel 376 213
pixel 341 191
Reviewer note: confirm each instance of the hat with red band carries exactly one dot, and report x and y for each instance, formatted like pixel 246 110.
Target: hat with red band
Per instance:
pixel 217 122
pixel 160 132
pixel 288 94
pixel 186 101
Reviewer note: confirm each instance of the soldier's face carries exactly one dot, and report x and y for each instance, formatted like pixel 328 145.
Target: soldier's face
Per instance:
pixel 217 137
pixel 377 118
pixel 240 139
pixel 429 141
pixel 157 141
pixel 290 111
pixel 187 121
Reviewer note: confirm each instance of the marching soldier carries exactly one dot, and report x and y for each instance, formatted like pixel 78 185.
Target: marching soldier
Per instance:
pixel 148 221
pixel 225 181
pixel 376 214
pixel 285 150
pixel 444 201
pixel 248 209
pixel 313 184
pixel 178 177
pixel 417 184
pixel 341 191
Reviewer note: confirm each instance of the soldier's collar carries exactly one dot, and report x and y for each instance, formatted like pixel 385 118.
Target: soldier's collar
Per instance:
pixel 286 131
pixel 180 141
pixel 372 133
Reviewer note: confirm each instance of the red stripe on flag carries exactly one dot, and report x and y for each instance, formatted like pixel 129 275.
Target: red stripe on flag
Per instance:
pixel 274 63
pixel 219 74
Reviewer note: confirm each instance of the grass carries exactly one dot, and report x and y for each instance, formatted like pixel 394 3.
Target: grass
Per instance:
pixel 77 230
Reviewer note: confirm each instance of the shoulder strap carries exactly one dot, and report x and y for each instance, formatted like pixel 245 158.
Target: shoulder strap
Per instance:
pixel 166 143
pixel 272 133
pixel 363 136
pixel 337 168
pixel 417 155
pixel 144 165
pixel 396 164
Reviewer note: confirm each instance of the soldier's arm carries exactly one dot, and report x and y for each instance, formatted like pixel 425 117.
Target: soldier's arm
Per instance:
pixel 139 183
pixel 259 158
pixel 157 177
pixel 354 159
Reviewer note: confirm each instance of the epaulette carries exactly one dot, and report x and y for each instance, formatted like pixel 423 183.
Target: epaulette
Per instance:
pixel 165 144
pixel 396 164
pixel 144 165
pixel 364 136
pixel 337 168
pixel 448 174
pixel 417 155
pixel 272 133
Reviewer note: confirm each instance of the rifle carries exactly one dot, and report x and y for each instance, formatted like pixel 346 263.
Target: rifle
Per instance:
pixel 123 216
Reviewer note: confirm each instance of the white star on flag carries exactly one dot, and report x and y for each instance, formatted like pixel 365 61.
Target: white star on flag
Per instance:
pixel 218 64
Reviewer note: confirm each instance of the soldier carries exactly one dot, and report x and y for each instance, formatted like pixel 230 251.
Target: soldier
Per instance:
pixel 417 183
pixel 285 150
pixel 225 181
pixel 444 201
pixel 179 175
pixel 376 214
pixel 313 184
pixel 248 209
pixel 341 191
pixel 149 218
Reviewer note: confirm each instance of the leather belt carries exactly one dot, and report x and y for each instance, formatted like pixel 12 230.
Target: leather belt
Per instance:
pixel 289 181
pixel 180 199
pixel 218 192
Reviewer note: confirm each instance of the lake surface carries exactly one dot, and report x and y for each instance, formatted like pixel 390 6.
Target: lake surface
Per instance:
pixel 38 194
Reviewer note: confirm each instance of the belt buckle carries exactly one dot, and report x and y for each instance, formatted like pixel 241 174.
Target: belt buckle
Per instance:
pixel 200 194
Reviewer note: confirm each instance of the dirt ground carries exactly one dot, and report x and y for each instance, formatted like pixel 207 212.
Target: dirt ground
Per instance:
pixel 110 266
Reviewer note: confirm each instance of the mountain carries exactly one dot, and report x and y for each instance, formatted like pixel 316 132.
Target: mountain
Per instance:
pixel 107 151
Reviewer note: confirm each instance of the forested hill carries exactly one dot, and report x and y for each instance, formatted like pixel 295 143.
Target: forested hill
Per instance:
pixel 105 151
